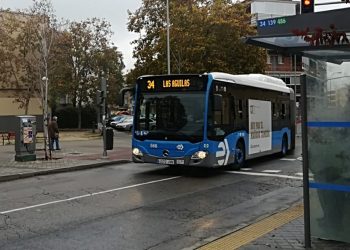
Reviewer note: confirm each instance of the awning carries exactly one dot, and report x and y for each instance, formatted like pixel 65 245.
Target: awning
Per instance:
pixel 319 35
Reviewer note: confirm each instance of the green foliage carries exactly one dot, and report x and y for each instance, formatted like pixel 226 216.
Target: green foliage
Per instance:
pixel 68 117
pixel 204 36
pixel 83 54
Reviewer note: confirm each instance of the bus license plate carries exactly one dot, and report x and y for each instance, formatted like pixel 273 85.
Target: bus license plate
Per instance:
pixel 165 161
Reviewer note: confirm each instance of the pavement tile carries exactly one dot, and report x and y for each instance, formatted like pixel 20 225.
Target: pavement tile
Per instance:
pixel 81 149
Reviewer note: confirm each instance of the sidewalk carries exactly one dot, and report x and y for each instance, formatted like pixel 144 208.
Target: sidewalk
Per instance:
pixel 83 150
pixel 79 150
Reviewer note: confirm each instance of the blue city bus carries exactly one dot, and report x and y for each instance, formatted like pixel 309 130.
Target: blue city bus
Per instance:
pixel 211 120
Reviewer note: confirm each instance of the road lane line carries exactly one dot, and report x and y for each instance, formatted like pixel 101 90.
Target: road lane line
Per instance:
pixel 267 175
pixel 287 159
pixel 86 195
pixel 271 171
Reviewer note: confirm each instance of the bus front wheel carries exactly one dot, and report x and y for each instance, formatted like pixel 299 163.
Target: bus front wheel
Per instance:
pixel 239 157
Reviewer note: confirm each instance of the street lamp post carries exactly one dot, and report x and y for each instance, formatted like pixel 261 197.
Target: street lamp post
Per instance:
pixel 46 137
pixel 168 35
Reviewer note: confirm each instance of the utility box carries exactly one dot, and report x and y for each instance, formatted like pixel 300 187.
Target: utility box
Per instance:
pixel 25 138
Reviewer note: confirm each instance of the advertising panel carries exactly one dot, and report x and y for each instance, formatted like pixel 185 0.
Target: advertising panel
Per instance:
pixel 260 136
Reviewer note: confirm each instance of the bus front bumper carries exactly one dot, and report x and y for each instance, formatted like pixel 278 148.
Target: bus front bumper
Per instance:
pixel 209 162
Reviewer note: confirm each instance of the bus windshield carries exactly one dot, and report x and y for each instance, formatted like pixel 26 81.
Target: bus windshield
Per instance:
pixel 175 116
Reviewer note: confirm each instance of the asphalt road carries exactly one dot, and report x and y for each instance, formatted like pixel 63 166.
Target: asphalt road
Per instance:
pixel 143 206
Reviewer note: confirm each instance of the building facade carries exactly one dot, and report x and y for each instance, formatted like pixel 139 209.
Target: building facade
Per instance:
pixel 284 66
pixel 14 88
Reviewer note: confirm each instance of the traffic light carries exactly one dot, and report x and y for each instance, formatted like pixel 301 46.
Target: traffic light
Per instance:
pixel 100 97
pixel 307 6
pixel 102 94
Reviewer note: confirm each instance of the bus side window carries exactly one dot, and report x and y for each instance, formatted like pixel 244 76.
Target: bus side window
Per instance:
pixel 283 110
pixel 233 108
pixel 278 110
pixel 273 110
pixel 218 109
pixel 240 108
pixel 225 110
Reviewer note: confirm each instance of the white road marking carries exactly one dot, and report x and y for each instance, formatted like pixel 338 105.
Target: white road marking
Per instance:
pixel 87 195
pixel 271 171
pixel 246 169
pixel 287 159
pixel 267 175
pixel 311 175
pixel 300 158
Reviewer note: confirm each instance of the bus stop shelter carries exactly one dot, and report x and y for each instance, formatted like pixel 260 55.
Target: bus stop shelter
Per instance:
pixel 322 39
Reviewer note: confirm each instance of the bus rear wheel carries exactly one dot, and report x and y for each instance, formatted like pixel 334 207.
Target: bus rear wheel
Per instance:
pixel 284 148
pixel 239 157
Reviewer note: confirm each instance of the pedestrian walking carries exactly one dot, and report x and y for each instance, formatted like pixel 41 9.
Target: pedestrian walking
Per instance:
pixel 54 134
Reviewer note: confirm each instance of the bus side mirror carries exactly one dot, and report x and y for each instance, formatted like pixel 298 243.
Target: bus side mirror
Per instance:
pixel 123 94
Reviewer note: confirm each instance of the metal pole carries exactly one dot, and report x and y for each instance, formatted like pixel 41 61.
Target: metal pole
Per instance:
pixel 295 78
pixel 46 136
pixel 307 230
pixel 168 35
pixel 104 89
pixel 104 136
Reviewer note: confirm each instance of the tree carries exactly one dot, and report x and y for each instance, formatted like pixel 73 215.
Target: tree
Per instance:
pixel 204 36
pixel 25 44
pixel 84 53
pixel 18 58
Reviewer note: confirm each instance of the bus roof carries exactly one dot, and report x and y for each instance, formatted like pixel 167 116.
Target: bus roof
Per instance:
pixel 253 80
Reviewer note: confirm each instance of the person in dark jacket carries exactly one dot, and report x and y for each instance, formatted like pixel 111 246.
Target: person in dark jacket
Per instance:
pixel 53 134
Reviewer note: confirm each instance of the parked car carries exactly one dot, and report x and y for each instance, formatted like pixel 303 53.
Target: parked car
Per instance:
pixel 125 124
pixel 118 119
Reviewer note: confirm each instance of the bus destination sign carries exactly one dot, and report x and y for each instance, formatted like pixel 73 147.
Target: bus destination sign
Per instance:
pixel 177 83
pixel 172 83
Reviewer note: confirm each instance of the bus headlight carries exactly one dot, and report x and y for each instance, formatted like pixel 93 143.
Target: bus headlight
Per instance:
pixel 137 152
pixel 199 155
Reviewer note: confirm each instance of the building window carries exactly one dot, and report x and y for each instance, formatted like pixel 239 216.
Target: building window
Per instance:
pixel 286 80
pixel 274 59
pixel 268 59
pixel 280 59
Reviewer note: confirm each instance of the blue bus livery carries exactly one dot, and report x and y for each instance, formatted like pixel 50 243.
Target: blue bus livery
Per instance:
pixel 211 120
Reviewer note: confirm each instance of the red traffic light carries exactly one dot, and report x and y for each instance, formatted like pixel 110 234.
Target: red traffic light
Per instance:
pixel 307 6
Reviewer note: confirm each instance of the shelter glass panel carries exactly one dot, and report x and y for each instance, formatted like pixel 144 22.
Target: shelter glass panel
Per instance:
pixel 328 128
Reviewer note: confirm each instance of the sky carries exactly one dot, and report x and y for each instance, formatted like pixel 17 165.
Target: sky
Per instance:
pixel 113 11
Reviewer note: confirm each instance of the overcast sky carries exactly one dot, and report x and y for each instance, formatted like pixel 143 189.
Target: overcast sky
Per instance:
pixel 113 11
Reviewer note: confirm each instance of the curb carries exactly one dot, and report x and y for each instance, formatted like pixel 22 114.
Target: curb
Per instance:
pixel 60 170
